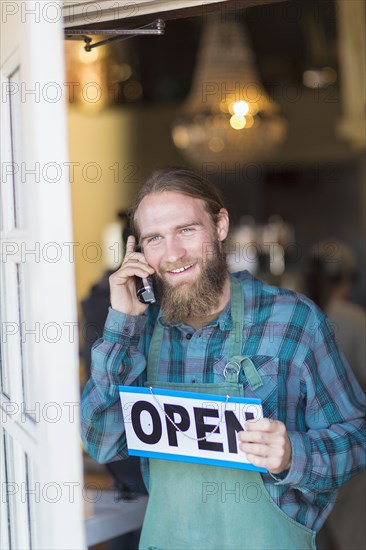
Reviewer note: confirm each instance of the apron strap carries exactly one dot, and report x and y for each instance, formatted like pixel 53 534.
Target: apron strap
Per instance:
pixel 154 351
pixel 237 316
pixel 236 360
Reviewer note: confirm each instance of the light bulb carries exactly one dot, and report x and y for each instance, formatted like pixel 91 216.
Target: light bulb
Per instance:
pixel 240 108
pixel 238 122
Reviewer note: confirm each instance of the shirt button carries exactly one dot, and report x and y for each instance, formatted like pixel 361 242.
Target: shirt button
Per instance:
pixel 193 381
pixel 188 336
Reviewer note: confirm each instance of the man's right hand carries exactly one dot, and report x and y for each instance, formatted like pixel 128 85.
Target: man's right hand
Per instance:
pixel 122 283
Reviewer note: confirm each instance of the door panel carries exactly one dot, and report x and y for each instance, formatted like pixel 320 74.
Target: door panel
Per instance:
pixel 42 495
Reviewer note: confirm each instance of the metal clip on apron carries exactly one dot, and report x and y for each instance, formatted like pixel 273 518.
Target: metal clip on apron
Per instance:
pixel 199 507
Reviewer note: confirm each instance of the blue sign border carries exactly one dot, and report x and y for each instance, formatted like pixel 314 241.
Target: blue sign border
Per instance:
pixel 196 460
pixel 191 395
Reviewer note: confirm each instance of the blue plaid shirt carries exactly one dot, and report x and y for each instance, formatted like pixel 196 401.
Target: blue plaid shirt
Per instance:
pixel 308 385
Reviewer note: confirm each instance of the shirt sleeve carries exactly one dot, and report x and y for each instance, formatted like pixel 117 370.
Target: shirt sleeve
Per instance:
pixel 117 359
pixel 333 449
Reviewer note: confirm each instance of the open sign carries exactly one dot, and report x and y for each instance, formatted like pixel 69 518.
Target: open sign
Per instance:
pixel 186 426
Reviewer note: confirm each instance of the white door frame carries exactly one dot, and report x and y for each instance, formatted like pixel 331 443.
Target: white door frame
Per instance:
pixel 41 452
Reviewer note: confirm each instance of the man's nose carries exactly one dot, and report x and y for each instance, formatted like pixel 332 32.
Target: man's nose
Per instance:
pixel 174 250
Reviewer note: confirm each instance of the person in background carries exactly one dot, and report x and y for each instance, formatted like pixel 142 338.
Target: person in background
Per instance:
pixel 330 277
pixel 312 437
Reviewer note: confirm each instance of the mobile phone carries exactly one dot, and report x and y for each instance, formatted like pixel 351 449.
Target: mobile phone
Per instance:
pixel 145 291
pixel 144 287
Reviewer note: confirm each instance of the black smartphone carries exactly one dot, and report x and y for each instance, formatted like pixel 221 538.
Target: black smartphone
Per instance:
pixel 145 291
pixel 144 287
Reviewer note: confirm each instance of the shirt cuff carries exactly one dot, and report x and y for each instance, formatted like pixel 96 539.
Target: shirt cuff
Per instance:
pixel 299 462
pixel 121 328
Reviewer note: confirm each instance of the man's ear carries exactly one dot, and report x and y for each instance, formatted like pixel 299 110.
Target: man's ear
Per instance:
pixel 222 225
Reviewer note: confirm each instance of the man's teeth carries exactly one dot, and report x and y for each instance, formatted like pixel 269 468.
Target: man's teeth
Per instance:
pixel 181 269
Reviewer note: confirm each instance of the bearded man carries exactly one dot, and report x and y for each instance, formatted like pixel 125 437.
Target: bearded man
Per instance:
pixel 312 436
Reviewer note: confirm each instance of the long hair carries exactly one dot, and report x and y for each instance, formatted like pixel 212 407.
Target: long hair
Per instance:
pixel 179 180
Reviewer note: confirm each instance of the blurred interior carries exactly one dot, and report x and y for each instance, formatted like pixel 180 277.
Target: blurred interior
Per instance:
pixel 129 97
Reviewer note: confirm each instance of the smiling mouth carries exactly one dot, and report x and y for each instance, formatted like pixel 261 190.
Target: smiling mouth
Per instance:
pixel 181 269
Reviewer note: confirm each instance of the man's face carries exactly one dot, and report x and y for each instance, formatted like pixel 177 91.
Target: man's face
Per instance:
pixel 182 244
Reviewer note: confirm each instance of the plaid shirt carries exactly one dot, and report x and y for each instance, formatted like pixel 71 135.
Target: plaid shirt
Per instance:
pixel 308 385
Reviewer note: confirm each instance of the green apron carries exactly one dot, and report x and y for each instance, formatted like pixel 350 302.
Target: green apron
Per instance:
pixel 200 507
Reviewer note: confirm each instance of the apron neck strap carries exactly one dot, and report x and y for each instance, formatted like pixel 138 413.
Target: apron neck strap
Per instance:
pixel 237 316
pixel 236 333
pixel 154 351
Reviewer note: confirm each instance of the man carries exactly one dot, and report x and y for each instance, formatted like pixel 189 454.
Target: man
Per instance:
pixel 312 438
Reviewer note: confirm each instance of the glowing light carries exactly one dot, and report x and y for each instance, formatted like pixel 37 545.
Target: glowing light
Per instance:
pixel 238 122
pixel 216 144
pixel 245 118
pixel 329 75
pixel 277 262
pixel 311 79
pixel 319 78
pixel 124 72
pixel 241 108
pixel 180 137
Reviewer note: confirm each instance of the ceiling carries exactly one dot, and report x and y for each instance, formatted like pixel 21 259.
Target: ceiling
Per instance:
pixel 287 37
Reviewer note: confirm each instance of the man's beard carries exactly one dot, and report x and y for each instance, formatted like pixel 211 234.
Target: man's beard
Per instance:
pixel 193 300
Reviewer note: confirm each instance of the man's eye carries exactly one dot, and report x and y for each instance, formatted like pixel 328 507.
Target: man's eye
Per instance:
pixel 153 239
pixel 187 229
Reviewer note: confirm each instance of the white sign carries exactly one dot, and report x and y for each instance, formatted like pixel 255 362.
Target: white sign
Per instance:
pixel 186 426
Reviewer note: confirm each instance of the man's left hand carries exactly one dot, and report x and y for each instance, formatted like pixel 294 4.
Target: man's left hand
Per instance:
pixel 266 444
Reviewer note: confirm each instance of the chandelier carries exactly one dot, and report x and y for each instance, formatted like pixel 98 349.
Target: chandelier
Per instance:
pixel 228 116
